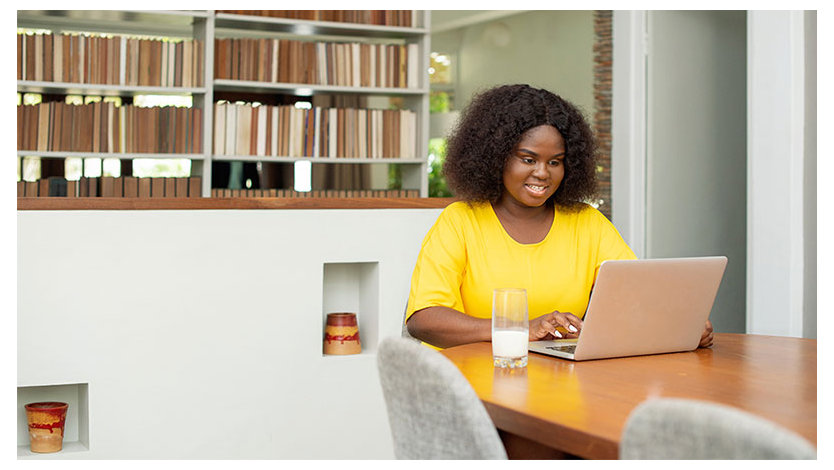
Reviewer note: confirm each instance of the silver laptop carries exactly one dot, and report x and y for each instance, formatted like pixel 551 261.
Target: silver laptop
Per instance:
pixel 639 307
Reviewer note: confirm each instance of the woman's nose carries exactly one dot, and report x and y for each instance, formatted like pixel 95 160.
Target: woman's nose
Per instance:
pixel 540 170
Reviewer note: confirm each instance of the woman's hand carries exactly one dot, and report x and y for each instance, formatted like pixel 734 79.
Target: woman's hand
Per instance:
pixel 545 326
pixel 707 336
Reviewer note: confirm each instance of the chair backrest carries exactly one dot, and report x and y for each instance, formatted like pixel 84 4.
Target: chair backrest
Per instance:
pixel 670 428
pixel 405 333
pixel 433 411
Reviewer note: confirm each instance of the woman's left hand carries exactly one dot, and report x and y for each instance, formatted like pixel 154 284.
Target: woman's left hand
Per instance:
pixel 707 336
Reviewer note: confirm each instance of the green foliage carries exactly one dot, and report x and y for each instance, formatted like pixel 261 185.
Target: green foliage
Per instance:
pixel 439 102
pixel 437 182
pixel 395 177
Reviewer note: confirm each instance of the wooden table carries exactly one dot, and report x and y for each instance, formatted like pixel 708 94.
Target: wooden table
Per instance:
pixel 581 407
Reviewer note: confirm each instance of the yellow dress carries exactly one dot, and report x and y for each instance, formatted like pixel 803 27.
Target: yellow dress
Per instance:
pixel 467 253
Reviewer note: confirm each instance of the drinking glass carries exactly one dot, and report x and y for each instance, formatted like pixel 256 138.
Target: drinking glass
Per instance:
pixel 510 328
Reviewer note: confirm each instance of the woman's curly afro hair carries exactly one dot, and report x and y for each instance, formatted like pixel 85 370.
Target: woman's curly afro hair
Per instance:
pixel 489 130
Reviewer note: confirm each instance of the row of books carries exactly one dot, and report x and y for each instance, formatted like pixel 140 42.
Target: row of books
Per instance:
pixel 110 186
pixel 167 63
pixel 377 17
pixel 317 193
pixel 246 129
pixel 71 58
pixel 110 60
pixel 322 63
pixel 104 127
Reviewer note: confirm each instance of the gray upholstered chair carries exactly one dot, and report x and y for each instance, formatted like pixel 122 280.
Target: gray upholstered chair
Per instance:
pixel 670 428
pixel 405 333
pixel 433 411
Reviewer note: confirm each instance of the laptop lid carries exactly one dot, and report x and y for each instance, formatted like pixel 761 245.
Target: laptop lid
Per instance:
pixel 648 306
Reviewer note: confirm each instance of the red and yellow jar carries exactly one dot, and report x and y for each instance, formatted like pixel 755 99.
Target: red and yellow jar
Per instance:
pixel 341 334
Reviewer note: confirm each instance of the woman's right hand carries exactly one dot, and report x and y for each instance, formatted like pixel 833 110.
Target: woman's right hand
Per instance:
pixel 545 326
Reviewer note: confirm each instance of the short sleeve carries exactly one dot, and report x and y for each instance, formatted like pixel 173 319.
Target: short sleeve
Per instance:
pixel 440 266
pixel 611 244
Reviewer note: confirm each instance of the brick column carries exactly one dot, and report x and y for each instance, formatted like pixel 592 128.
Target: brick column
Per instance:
pixel 603 54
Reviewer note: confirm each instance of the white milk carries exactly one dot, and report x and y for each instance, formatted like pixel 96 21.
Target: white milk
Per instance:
pixel 509 343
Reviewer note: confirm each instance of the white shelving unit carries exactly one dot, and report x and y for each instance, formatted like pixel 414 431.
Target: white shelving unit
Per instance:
pixel 208 25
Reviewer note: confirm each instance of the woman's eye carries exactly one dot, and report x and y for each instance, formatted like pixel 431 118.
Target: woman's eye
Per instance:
pixel 528 160
pixel 555 162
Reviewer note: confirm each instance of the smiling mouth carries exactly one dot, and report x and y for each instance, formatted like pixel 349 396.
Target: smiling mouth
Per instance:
pixel 536 189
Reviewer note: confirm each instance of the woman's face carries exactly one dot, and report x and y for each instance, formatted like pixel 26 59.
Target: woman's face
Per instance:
pixel 535 168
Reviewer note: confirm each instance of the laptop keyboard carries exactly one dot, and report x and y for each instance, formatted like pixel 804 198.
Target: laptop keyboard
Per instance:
pixel 568 348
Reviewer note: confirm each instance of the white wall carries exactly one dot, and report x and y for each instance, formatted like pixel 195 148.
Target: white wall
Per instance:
pixel 628 128
pixel 198 334
pixel 696 146
pixel 781 275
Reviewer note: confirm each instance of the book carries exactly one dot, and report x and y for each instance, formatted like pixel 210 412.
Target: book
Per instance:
pixel 244 130
pixel 107 186
pixel 170 187
pixel 231 128
pixel 254 128
pixel 43 187
pixel 93 187
pixel 157 186
pixel 197 124
pixel 181 187
pixel 220 128
pixel 42 127
pixel 72 188
pixel 57 186
pixel 195 187
pixel 31 188
pixel 83 187
pixel 144 187
pixel 261 119
pixel 21 54
pixel 131 187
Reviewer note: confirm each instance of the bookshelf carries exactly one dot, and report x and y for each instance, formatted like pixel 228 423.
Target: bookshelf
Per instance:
pixel 404 88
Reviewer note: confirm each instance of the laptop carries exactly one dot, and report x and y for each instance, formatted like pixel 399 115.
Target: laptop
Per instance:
pixel 647 306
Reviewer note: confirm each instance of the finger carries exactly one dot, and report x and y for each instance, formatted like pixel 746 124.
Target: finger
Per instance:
pixel 553 329
pixel 574 320
pixel 708 326
pixel 545 328
pixel 549 322
pixel 558 319
pixel 571 322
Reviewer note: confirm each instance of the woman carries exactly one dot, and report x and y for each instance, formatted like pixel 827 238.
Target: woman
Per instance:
pixel 522 161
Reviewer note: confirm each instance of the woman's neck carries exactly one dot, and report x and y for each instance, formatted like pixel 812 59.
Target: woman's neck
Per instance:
pixel 509 207
pixel 525 224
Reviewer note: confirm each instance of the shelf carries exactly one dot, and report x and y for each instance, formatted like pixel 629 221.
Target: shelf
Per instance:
pixel 309 27
pixel 125 156
pixel 303 89
pixel 77 427
pixel 23 451
pixel 353 287
pixel 144 22
pixel 258 158
pixel 208 25
pixel 26 86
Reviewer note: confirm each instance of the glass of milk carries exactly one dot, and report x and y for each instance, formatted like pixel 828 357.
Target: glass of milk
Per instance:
pixel 510 328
